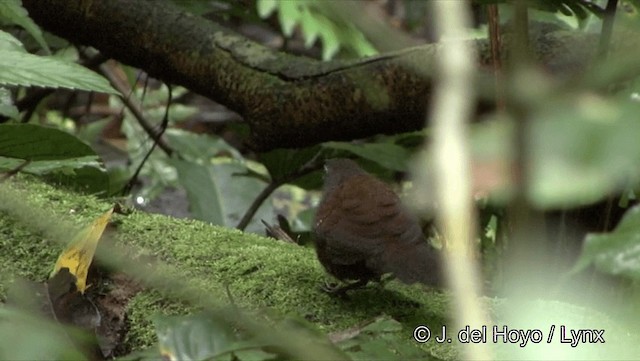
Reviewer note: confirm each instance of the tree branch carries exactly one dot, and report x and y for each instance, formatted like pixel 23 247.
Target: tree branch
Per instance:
pixel 287 101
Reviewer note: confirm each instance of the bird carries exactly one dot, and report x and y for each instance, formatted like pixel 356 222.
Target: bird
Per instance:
pixel 362 231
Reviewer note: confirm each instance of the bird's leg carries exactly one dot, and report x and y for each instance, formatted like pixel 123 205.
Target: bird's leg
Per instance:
pixel 341 291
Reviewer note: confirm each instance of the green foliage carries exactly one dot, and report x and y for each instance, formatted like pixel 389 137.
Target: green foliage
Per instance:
pixel 17 67
pixel 282 163
pixel 620 342
pixel 375 341
pixel 201 337
pixel 615 253
pixel 578 8
pixel 583 149
pixel 315 23
pixel 387 155
pixel 205 166
pixel 60 156
pixel 7 109
pixel 28 337
pixel 219 194
pixel 12 12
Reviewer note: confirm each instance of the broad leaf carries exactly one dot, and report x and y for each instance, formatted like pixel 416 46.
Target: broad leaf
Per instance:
pixel 388 155
pixel 616 253
pixel 78 254
pixel 60 156
pixel 19 68
pixel 34 143
pixel 195 337
pixel 219 194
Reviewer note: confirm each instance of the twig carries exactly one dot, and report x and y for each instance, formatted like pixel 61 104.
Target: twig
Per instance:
pixel 14 171
pixel 165 122
pixel 607 28
pixel 136 109
pixel 311 166
pixel 495 40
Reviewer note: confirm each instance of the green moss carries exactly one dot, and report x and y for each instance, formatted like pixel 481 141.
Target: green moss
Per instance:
pixel 140 313
pixel 259 273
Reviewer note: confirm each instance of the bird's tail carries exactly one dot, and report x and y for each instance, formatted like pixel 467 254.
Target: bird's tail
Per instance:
pixel 415 264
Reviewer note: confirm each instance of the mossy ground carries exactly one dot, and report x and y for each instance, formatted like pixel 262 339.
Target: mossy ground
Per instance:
pixel 258 273
pixel 267 279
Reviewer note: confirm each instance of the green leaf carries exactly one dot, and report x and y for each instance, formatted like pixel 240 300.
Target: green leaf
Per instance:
pixel 34 143
pixel 12 12
pixel 19 68
pixel 9 43
pixel 388 155
pixel 89 179
pixel 266 7
pixel 254 355
pixel 193 337
pixel 57 155
pixel 200 146
pixel 582 150
pixel 310 27
pixel 383 324
pixel 54 341
pixel 283 162
pixel 289 15
pixel 7 108
pixel 616 253
pixel 357 41
pixel 330 40
pixel 218 194
pixel 202 190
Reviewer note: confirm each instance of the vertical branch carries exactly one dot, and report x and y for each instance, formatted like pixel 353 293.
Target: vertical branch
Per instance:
pixel 527 259
pixel 495 40
pixel 452 107
pixel 607 28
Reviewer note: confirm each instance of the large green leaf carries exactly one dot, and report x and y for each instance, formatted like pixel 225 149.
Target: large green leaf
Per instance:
pixel 9 42
pixel 35 143
pixel 219 194
pixel 60 156
pixel 205 202
pixel 616 253
pixel 20 68
pixel 388 155
pixel 203 337
pixel 281 163
pixel 195 337
pixel 583 149
pixel 200 147
pixel 555 320
pixel 53 339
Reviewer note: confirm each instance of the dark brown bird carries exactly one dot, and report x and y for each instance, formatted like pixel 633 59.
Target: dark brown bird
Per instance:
pixel 363 231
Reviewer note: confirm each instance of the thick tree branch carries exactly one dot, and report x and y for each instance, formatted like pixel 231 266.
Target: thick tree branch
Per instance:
pixel 287 101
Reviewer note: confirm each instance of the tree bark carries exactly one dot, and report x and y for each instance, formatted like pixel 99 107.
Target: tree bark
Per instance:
pixel 287 101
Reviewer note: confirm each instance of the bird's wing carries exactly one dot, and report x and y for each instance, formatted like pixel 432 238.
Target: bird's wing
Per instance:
pixel 353 220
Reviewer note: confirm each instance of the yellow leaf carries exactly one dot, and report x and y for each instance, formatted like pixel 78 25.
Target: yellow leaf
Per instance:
pixel 79 253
